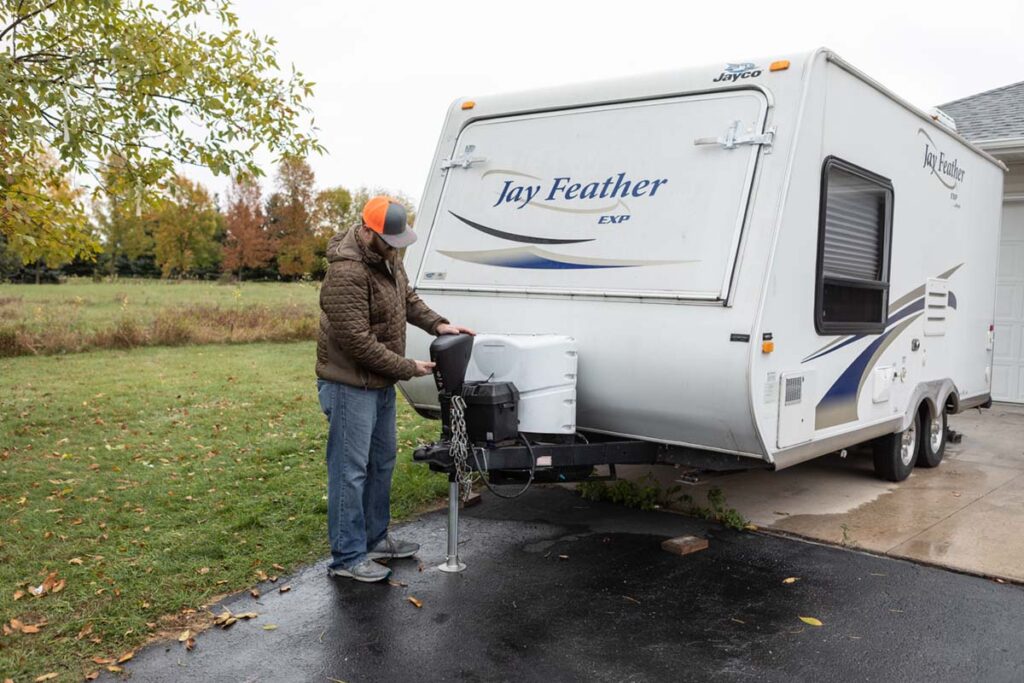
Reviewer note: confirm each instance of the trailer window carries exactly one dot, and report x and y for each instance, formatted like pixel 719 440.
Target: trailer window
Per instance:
pixel 853 250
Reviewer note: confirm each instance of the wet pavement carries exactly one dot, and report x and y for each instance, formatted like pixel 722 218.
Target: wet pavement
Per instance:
pixel 966 514
pixel 561 589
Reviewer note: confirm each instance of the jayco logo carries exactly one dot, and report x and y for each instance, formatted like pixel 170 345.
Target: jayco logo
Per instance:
pixel 564 188
pixel 734 72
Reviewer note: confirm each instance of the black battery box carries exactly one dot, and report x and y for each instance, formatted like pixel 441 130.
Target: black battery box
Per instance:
pixel 492 411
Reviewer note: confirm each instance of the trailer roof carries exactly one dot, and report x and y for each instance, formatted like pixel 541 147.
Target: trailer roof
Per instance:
pixel 694 79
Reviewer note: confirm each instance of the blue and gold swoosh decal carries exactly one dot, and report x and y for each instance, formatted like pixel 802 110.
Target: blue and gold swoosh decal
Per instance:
pixel 513 237
pixel 540 259
pixel 896 311
pixel 533 257
pixel 839 404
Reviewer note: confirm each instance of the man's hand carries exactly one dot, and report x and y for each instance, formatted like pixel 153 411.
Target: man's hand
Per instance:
pixel 445 328
pixel 423 368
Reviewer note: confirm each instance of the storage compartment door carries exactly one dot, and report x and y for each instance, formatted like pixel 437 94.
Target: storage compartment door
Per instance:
pixel 796 408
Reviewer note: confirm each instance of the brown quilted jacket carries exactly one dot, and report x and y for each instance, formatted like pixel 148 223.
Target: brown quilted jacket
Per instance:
pixel 365 303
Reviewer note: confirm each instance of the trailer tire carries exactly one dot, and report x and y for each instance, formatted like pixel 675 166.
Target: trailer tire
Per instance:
pixel 933 439
pixel 895 453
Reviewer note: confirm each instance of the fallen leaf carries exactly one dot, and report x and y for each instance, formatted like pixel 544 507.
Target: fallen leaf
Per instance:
pixel 254 593
pixel 185 635
pixel 397 584
pixel 92 675
pixel 16 624
pixel 125 657
pixel 59 586
pixel 261 575
pixel 750 527
pixel 46 677
pixel 414 601
pixel 230 621
pixel 18 595
pixel 114 669
pixel 86 630
pixel 811 621
pixel 269 627
pixel 277 567
pixel 190 644
pixel 284 589
pixel 791 579
pixel 75 560
pixel 101 660
pixel 203 570
pixel 246 615
pixel 31 628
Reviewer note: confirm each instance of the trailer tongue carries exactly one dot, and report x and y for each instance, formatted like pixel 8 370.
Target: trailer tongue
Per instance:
pixel 508 434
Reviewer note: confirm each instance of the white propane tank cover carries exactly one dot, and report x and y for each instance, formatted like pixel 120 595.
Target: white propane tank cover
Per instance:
pixel 543 368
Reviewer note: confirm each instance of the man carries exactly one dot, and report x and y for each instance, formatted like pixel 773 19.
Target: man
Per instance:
pixel 366 301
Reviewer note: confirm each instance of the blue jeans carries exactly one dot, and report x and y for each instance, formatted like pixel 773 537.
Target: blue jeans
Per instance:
pixel 361 448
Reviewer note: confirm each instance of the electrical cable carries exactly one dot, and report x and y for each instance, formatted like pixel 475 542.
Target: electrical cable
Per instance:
pixel 533 469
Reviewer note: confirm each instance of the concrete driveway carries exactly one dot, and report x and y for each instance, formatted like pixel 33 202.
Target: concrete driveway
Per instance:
pixel 967 514
pixel 559 589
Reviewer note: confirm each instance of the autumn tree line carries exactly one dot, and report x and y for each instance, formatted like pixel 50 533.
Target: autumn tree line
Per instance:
pixel 185 231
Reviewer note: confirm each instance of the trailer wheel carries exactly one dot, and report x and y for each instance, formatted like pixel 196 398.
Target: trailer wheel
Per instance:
pixel 895 453
pixel 933 439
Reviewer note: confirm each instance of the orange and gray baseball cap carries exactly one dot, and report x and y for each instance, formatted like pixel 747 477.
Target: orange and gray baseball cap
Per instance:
pixel 386 217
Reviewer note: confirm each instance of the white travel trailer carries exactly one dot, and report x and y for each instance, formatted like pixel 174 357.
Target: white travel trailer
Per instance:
pixel 760 262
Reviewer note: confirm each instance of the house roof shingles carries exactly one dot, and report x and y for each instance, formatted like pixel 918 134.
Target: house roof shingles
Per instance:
pixel 992 115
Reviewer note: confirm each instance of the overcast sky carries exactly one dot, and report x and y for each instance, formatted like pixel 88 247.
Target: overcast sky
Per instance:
pixel 386 72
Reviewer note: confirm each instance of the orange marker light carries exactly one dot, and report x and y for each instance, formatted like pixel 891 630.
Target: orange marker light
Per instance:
pixel 767 346
pixel 469 104
pixel 780 65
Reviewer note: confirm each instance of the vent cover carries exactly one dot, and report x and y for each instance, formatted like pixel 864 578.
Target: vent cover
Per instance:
pixel 936 307
pixel 794 390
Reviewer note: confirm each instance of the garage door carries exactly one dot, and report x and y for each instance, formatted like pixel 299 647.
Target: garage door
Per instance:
pixel 1008 364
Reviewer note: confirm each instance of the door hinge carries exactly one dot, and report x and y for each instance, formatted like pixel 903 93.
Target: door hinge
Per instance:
pixel 735 136
pixel 464 160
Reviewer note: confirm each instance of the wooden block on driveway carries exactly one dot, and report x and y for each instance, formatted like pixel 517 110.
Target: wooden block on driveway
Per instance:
pixel 684 545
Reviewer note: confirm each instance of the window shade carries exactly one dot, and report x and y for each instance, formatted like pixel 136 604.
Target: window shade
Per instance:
pixel 854 226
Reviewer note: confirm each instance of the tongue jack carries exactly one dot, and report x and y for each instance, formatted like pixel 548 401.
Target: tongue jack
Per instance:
pixel 451 353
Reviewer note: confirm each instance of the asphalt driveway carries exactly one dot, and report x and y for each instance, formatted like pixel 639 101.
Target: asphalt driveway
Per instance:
pixel 562 589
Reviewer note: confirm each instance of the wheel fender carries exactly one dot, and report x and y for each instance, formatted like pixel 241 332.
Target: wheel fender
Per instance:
pixel 934 394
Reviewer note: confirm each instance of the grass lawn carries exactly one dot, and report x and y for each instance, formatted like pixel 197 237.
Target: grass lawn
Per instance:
pixel 83 315
pixel 151 480
pixel 98 304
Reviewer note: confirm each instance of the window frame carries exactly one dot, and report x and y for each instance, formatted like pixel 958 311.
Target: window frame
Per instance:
pixel 828 327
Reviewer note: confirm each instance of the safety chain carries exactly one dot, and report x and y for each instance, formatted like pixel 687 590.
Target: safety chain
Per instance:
pixel 459 448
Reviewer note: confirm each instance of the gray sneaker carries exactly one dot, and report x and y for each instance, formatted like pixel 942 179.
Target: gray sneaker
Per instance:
pixel 367 571
pixel 393 549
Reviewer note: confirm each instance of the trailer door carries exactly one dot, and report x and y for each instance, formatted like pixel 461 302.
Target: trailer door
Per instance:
pixel 639 199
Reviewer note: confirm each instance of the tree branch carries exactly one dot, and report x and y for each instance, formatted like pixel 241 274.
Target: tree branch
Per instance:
pixel 25 17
